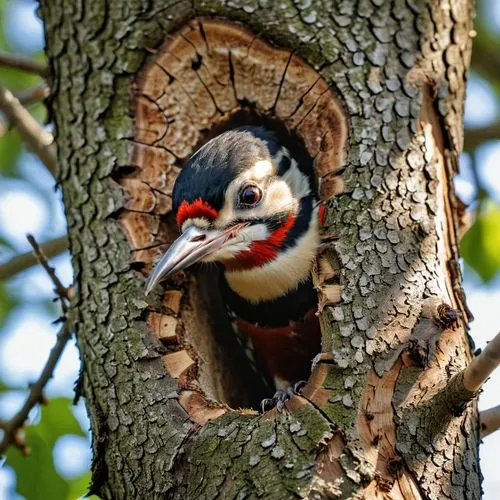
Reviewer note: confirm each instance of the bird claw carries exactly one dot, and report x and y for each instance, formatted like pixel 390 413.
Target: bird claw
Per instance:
pixel 299 387
pixel 281 396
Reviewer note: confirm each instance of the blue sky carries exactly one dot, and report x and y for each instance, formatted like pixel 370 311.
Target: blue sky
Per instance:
pixel 29 335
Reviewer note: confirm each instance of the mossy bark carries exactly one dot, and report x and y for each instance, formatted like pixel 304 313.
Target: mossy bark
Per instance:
pixel 399 68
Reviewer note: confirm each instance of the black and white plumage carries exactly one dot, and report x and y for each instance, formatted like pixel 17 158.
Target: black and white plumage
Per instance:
pixel 243 200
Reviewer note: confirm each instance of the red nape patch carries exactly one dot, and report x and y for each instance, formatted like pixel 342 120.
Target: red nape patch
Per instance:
pixel 198 208
pixel 322 214
pixel 261 252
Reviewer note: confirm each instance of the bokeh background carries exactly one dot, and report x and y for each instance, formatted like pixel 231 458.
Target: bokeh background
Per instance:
pixel 58 467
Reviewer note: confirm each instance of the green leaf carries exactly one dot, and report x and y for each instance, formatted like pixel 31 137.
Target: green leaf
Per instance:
pixel 37 478
pixel 57 420
pixel 480 246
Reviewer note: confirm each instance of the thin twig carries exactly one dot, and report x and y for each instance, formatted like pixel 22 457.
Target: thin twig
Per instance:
pixel 60 289
pixel 24 64
pixel 32 95
pixel 24 261
pixel 31 132
pixel 11 428
pixel 490 421
pixel 481 367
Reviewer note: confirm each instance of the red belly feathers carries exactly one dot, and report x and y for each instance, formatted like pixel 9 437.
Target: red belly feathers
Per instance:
pixel 287 351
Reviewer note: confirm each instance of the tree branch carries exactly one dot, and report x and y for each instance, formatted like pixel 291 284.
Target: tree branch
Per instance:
pixel 24 63
pixel 490 421
pixel 31 132
pixel 26 260
pixel 34 94
pixel 11 428
pixel 481 367
pixel 60 289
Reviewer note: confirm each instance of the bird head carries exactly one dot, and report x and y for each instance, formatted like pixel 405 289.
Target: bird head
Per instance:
pixel 237 201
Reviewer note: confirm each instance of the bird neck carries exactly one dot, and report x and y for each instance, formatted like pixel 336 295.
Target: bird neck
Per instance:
pixel 291 266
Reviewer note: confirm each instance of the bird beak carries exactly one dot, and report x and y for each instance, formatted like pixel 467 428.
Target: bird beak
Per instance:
pixel 189 248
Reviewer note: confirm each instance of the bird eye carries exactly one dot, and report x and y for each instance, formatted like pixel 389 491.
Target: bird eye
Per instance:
pixel 250 196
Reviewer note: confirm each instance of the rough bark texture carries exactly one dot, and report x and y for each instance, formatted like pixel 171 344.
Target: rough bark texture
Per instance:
pixel 373 420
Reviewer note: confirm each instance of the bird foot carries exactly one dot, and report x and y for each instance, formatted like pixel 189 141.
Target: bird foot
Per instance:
pixel 281 396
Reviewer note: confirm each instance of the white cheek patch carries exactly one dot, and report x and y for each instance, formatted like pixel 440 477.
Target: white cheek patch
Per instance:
pixel 258 232
pixel 196 221
pixel 241 243
pixel 278 199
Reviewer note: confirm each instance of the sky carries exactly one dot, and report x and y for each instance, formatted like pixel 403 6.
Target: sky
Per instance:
pixel 29 335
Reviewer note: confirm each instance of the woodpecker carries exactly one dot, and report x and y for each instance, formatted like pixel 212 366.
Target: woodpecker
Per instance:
pixel 243 201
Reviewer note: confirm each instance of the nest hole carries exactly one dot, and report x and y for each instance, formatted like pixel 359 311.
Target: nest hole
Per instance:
pixel 211 76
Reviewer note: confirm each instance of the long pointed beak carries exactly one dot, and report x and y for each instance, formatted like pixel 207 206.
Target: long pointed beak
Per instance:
pixel 189 248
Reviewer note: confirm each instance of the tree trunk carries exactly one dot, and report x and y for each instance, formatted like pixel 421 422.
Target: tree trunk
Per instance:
pixel 375 91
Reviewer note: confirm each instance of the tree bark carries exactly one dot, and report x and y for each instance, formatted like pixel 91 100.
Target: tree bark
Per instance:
pixel 377 418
